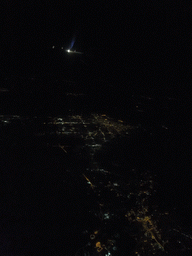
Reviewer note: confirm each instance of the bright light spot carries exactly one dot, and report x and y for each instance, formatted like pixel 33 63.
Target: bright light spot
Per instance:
pixel 68 50
pixel 53 47
pixel 62 48
pixel 106 216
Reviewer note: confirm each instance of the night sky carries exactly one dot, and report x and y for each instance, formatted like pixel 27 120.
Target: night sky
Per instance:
pixel 142 42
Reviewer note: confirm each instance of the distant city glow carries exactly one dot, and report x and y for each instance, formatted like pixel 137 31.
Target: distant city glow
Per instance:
pixel 53 47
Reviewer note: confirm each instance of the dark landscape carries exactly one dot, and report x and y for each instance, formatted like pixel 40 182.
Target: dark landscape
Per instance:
pixel 95 139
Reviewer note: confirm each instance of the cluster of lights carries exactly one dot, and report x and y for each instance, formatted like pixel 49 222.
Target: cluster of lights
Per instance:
pixel 150 235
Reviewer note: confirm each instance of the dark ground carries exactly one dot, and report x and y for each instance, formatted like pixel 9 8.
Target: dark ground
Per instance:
pixel 42 209
pixel 46 204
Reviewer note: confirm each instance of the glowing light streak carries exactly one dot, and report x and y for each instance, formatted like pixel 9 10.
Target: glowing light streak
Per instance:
pixel 89 182
pixel 72 42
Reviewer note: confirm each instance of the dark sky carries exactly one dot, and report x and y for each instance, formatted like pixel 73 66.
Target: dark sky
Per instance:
pixel 46 21
pixel 149 38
